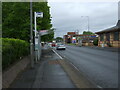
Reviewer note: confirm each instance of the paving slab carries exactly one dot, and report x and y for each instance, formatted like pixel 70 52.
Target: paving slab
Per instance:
pixel 47 73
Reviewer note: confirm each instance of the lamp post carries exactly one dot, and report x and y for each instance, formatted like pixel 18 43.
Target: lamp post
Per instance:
pixel 88 25
pixel 87 20
pixel 31 37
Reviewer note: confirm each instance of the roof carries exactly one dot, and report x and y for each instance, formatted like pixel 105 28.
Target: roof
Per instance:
pixel 71 33
pixel 115 28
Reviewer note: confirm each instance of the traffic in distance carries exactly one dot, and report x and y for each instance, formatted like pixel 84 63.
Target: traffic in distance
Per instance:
pixel 58 46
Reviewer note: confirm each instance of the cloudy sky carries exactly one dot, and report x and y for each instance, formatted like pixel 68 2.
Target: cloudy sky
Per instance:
pixel 72 16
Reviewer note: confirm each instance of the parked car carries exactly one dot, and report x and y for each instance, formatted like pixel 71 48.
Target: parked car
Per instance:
pixel 60 46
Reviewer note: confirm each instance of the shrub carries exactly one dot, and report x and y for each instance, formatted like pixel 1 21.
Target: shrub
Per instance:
pixel 95 42
pixel 12 50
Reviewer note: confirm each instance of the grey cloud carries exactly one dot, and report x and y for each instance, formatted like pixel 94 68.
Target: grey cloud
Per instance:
pixel 67 16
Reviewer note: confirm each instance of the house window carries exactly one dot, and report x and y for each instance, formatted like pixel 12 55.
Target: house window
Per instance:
pixel 107 36
pixel 101 37
pixel 116 36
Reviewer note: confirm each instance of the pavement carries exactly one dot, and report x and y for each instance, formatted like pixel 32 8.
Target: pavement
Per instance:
pixel 47 73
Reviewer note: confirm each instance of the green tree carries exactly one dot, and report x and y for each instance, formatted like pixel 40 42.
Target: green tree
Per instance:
pixel 59 39
pixel 95 41
pixel 88 33
pixel 16 19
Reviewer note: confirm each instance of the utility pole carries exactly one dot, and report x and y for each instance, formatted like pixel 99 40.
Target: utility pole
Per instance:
pixel 88 25
pixel 31 37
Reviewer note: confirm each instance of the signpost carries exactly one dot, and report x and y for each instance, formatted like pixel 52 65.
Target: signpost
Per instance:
pixel 37 36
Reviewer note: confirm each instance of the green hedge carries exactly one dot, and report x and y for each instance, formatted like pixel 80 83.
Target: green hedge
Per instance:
pixel 12 50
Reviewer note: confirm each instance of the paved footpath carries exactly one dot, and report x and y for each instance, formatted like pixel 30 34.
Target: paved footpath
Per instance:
pixel 47 73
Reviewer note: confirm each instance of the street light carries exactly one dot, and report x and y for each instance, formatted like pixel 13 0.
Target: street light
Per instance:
pixel 88 20
pixel 88 25
pixel 31 37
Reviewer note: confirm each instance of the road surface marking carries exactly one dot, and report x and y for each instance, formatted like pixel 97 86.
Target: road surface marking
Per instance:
pixel 57 54
pixel 74 66
pixel 99 86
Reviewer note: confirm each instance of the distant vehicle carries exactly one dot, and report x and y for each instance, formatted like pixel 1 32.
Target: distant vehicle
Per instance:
pixel 50 44
pixel 53 45
pixel 60 46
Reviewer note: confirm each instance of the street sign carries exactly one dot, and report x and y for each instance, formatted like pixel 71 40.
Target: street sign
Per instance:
pixel 39 14
pixel 43 32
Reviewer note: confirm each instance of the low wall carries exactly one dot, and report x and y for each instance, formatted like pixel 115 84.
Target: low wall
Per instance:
pixel 9 75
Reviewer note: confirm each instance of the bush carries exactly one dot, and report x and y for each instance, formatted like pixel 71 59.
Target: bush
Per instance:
pixel 12 50
pixel 95 42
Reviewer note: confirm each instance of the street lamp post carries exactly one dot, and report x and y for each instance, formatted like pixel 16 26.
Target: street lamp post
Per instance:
pixel 87 20
pixel 88 25
pixel 31 37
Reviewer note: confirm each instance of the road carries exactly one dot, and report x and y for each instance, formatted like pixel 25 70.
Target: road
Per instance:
pixel 101 67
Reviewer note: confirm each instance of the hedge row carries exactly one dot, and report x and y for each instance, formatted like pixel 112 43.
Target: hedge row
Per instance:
pixel 13 50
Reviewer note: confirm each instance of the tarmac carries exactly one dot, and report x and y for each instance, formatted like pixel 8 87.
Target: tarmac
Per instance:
pixel 47 73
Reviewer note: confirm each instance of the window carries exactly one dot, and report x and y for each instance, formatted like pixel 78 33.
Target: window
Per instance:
pixel 101 37
pixel 107 36
pixel 116 36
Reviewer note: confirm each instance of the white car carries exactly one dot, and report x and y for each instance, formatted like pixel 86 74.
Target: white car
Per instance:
pixel 60 47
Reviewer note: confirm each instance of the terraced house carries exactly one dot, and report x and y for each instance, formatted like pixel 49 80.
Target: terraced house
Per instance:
pixel 110 37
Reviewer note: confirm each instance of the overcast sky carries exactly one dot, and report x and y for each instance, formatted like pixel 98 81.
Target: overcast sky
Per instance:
pixel 66 16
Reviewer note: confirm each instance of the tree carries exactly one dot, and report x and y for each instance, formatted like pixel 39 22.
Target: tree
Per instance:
pixel 88 33
pixel 16 19
pixel 95 41
pixel 59 39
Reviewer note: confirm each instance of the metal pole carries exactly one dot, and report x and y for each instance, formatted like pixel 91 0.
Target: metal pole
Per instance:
pixel 36 38
pixel 88 30
pixel 31 37
pixel 88 23
pixel 35 23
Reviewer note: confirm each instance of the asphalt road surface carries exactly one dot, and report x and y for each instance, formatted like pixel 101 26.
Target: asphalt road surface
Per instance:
pixel 101 67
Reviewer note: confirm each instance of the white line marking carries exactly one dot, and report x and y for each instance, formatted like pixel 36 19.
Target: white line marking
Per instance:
pixel 57 54
pixel 74 66
pixel 99 86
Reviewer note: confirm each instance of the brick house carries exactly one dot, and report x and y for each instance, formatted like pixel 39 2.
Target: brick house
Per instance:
pixel 109 37
pixel 87 40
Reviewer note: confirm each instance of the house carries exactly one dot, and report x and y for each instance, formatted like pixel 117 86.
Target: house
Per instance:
pixel 73 37
pixel 87 40
pixel 110 37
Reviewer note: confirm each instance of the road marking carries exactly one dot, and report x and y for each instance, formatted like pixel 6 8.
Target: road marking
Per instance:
pixel 78 71
pixel 74 66
pixel 57 54
pixel 99 86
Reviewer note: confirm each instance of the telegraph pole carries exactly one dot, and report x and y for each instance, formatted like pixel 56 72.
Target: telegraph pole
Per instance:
pixel 31 37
